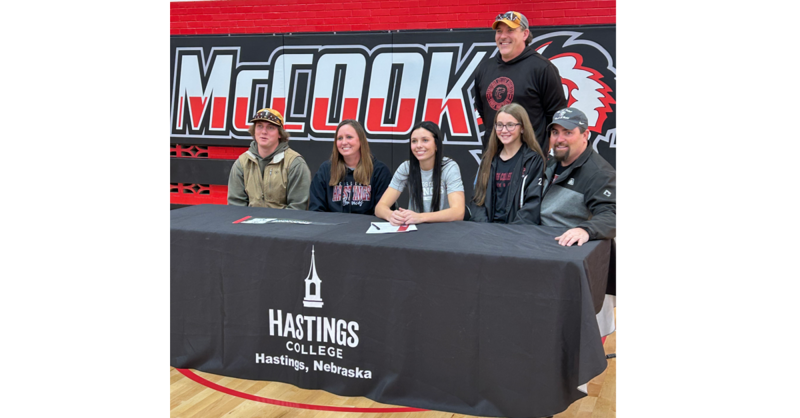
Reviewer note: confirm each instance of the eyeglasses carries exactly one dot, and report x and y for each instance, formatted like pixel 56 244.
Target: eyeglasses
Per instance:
pixel 510 127
pixel 508 16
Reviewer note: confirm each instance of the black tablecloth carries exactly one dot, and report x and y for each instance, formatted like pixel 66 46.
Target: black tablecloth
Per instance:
pixel 479 319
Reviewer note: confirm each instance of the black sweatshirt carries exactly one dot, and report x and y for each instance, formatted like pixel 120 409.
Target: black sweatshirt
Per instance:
pixel 348 196
pixel 529 80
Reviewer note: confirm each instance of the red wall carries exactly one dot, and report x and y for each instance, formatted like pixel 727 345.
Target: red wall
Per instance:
pixel 258 16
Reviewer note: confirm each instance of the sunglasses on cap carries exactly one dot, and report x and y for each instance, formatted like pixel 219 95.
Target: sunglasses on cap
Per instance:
pixel 507 16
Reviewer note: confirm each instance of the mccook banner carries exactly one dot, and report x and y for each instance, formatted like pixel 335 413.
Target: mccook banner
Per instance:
pixel 386 81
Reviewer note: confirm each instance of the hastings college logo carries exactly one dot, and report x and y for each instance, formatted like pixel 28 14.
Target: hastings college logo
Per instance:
pixel 312 342
pixel 313 297
pixel 500 92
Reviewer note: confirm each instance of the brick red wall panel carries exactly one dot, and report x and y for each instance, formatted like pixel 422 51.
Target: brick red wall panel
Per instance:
pixel 197 194
pixel 259 16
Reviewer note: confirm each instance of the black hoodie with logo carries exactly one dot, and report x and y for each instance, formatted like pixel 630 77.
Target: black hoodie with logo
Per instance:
pixel 529 80
pixel 348 196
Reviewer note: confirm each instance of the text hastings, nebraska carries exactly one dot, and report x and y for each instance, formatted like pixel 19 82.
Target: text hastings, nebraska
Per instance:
pixel 319 365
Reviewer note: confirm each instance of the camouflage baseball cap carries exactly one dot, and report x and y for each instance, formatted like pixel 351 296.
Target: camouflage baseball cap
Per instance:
pixel 269 115
pixel 512 19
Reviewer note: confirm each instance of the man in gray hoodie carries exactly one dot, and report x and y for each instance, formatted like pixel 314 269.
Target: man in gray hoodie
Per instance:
pixel 269 174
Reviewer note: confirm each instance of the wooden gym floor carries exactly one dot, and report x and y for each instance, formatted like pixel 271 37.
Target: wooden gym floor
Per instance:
pixel 189 399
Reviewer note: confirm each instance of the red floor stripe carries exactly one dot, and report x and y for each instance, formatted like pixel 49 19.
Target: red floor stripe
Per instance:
pixel 191 375
pixel 246 217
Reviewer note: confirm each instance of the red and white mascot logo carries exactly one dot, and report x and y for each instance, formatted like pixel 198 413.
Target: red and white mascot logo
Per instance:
pixel 588 76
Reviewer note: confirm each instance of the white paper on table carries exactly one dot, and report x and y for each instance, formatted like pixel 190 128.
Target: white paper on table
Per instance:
pixel 387 228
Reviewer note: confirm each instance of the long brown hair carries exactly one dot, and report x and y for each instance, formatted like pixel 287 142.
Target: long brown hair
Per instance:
pixel 363 171
pixel 495 146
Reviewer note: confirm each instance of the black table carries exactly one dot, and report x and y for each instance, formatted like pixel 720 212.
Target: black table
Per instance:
pixel 478 319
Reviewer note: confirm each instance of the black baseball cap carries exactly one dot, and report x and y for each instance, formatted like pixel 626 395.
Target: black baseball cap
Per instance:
pixel 570 118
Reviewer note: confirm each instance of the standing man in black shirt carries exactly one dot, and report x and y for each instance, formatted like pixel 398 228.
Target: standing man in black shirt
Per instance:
pixel 520 75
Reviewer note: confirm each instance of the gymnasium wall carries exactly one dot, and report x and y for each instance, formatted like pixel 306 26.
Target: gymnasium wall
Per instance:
pixel 228 58
pixel 251 16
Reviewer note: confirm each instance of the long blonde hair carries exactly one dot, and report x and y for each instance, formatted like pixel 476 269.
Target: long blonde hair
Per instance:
pixel 363 171
pixel 495 146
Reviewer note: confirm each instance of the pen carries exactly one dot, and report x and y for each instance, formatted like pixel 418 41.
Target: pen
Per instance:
pixel 376 226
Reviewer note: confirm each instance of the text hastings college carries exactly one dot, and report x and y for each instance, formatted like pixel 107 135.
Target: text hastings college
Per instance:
pixel 335 331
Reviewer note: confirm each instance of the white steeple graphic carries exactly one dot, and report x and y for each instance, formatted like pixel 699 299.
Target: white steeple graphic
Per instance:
pixel 313 292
